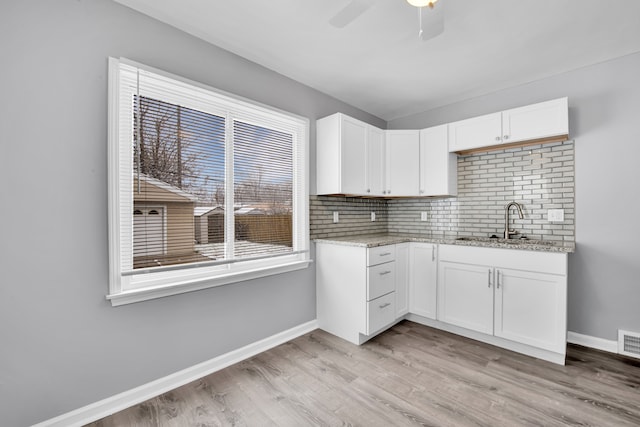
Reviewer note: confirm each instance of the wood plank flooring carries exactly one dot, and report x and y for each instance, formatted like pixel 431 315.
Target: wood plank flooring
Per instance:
pixel 409 375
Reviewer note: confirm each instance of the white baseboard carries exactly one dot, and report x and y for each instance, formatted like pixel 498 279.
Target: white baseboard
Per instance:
pixel 110 405
pixel 593 342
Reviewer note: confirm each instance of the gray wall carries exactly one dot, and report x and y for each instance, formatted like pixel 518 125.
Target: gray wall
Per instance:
pixel 604 114
pixel 62 345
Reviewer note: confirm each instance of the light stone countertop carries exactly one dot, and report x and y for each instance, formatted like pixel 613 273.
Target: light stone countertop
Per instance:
pixel 373 240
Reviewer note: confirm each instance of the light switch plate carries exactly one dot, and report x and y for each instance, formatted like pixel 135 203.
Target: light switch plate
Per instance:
pixel 336 217
pixel 555 215
pixel 423 216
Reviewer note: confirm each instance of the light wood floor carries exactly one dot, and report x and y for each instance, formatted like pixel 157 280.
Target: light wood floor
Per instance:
pixel 409 375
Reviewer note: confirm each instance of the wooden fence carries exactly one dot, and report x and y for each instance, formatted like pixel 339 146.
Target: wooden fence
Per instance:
pixel 269 229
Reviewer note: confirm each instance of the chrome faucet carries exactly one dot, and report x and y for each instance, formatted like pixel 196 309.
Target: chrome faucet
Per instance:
pixel 508 233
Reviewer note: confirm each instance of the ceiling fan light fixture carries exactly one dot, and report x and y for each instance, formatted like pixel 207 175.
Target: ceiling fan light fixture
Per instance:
pixel 422 3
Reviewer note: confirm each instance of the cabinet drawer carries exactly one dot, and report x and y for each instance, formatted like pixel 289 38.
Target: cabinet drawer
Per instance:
pixel 381 279
pixel 381 312
pixel 381 254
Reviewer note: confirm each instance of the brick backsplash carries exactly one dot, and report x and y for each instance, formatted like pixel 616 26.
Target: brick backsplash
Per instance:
pixel 539 177
pixel 355 216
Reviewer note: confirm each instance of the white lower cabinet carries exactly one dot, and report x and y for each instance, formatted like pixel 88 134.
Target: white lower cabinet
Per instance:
pixel 465 296
pixel 423 279
pixel 380 313
pixel 403 272
pixel 517 295
pixel 356 288
pixel 511 298
pixel 381 279
pixel 531 308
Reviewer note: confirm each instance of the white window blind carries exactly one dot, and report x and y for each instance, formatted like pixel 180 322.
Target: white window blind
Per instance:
pixel 205 189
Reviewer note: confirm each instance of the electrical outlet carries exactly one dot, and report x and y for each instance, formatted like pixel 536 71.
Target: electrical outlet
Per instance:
pixel 336 217
pixel 555 215
pixel 373 216
pixel 423 216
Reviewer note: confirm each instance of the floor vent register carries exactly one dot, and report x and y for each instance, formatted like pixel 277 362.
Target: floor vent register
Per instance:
pixel 629 343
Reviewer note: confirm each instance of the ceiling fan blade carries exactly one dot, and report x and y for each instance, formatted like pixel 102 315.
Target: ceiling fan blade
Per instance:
pixel 350 12
pixel 432 21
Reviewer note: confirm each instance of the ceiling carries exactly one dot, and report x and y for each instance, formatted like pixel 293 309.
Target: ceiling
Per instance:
pixel 378 64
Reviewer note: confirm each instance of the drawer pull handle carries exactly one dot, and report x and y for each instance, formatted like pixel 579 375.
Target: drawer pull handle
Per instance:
pixel 385 254
pixel 382 273
pixel 385 305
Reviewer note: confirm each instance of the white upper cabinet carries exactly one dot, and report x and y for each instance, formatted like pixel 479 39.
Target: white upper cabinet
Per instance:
pixel 438 167
pixel 537 121
pixel 350 157
pixel 341 155
pixel 534 122
pixel 483 131
pixel 375 162
pixel 403 163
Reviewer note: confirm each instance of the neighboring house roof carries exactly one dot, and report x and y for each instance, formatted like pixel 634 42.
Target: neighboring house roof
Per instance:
pixel 256 209
pixel 248 210
pixel 206 210
pixel 201 210
pixel 174 193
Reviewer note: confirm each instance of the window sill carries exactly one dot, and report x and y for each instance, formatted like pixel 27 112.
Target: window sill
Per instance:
pixel 138 295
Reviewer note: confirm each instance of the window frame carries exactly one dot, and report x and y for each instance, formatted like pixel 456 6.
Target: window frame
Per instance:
pixel 127 285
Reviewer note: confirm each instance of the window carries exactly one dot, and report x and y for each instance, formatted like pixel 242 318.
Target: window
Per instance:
pixel 205 188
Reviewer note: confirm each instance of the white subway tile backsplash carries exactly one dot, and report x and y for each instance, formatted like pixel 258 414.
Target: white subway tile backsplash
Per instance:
pixel 539 177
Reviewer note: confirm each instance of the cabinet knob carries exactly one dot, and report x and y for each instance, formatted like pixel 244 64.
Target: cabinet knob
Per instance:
pixel 421 191
pixel 368 190
pixel 497 138
pixel 505 137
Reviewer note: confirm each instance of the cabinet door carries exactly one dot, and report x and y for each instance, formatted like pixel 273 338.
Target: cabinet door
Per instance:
pixel 423 283
pixel 353 162
pixel 542 120
pixel 483 131
pixel 465 296
pixel 403 163
pixel 438 167
pixel 531 308
pixel 375 162
pixel 402 279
